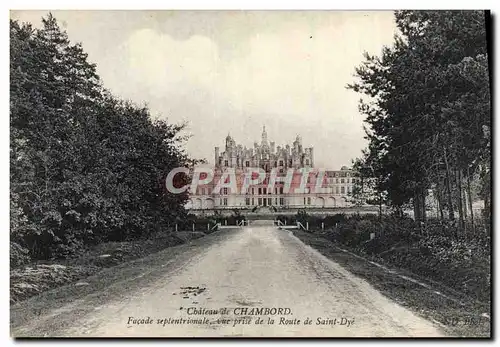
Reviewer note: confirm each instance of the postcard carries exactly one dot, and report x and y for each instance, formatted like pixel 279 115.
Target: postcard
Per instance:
pixel 298 174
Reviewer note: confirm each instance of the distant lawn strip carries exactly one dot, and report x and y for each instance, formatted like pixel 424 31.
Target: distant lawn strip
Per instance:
pixel 457 314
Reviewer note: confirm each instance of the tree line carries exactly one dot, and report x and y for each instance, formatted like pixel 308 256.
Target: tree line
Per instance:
pixel 426 103
pixel 85 166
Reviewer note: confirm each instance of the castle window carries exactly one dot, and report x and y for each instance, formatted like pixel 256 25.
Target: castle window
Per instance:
pixel 226 163
pixel 290 162
pixel 281 162
pixel 307 161
pixel 260 201
pixel 225 191
pixel 304 200
pixel 253 201
pixel 247 201
pixel 342 190
pixel 337 190
pixel 341 180
pixel 281 170
pixel 225 201
pixel 260 192
pixel 309 201
pixel 247 163
pixel 275 164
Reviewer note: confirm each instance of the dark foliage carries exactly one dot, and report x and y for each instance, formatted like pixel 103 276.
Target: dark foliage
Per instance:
pixel 427 105
pixel 86 168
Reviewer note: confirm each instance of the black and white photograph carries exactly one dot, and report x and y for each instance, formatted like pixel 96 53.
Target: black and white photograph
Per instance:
pixel 250 173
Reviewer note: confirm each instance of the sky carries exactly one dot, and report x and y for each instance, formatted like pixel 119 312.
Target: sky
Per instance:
pixel 232 72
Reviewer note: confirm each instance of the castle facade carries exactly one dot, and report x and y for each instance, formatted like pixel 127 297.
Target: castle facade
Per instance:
pixel 289 179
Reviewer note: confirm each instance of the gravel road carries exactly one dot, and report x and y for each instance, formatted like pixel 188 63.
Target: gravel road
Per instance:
pixel 255 269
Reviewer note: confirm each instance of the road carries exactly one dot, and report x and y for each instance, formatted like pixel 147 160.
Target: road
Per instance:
pixel 258 266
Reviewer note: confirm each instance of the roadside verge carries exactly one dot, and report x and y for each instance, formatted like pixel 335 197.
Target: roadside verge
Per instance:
pixel 55 309
pixel 457 314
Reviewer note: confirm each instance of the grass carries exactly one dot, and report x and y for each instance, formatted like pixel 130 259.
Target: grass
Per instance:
pixel 457 314
pixel 37 277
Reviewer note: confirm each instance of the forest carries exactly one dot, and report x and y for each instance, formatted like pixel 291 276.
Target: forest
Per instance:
pixel 85 166
pixel 427 107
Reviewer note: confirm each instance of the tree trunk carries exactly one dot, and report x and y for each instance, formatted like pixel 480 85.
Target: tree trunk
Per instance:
pixel 423 226
pixel 486 192
pixel 440 203
pixel 459 195
pixel 400 211
pixel 422 201
pixel 416 207
pixel 436 200
pixel 380 206
pixel 469 195
pixel 451 213
pixel 464 203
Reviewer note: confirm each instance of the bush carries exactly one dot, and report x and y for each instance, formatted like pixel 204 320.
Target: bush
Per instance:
pixel 287 219
pixel 205 224
pixel 18 255
pixel 102 180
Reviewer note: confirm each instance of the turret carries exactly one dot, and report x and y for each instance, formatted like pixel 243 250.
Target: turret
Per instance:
pixel 264 136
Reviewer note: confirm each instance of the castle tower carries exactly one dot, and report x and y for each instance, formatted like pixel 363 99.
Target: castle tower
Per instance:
pixel 264 136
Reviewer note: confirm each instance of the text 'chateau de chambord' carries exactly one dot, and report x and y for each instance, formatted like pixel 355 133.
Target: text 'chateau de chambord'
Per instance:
pixel 336 184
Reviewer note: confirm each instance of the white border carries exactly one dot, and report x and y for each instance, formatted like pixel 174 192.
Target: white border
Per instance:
pixel 194 4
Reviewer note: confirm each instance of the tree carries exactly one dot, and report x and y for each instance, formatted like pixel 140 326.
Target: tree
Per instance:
pixel 86 167
pixel 426 101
